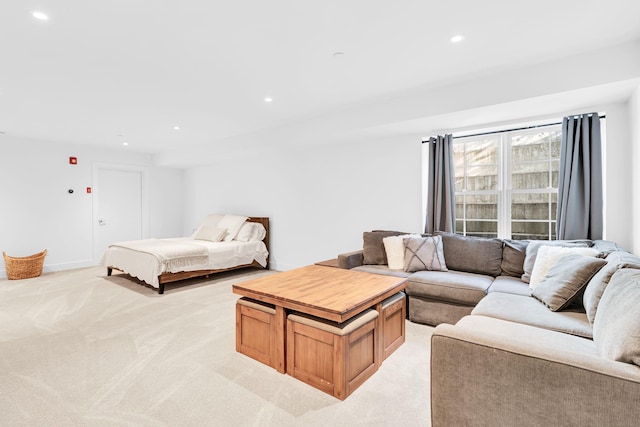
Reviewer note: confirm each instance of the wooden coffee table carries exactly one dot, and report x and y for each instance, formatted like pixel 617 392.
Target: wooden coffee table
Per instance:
pixel 330 293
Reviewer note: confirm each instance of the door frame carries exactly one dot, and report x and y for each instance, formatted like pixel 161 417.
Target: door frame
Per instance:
pixel 144 202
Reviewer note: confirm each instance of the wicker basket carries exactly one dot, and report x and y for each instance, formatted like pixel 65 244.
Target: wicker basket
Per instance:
pixel 25 267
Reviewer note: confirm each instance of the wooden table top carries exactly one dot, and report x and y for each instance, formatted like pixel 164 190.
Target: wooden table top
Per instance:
pixel 331 293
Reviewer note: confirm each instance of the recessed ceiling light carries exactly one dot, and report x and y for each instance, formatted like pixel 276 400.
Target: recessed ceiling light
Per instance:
pixel 267 100
pixel 456 39
pixel 40 15
pixel 125 143
pixel 176 128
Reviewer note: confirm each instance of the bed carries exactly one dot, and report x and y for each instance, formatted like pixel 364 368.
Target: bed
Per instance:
pixel 221 243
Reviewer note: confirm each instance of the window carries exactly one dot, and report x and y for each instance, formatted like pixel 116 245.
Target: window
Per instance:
pixel 507 184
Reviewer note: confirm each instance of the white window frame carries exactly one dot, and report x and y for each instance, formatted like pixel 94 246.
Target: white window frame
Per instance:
pixel 504 190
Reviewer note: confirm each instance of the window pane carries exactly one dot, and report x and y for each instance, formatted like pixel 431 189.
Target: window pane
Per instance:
pixel 538 146
pixel 529 230
pixel 530 175
pixel 459 177
pixel 481 178
pixel 483 206
pixel 555 167
pixel 459 207
pixel 556 139
pixel 458 156
pixel 530 206
pixel 484 152
pixel 459 227
pixel 482 228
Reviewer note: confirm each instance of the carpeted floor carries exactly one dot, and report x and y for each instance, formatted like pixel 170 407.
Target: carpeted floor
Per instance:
pixel 80 349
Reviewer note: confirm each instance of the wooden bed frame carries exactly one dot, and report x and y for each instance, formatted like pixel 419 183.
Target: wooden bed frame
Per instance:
pixel 183 275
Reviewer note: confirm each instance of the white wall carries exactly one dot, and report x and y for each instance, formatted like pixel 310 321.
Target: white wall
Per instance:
pixel 633 188
pixel 38 212
pixel 320 200
pixel 617 167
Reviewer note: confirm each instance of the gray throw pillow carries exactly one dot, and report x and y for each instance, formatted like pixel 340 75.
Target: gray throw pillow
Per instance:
pixel 472 254
pixel 594 290
pixel 424 253
pixel 373 251
pixel 534 245
pixel 566 279
pixel 616 329
pixel 513 254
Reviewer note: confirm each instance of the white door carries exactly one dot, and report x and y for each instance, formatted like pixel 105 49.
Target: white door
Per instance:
pixel 118 202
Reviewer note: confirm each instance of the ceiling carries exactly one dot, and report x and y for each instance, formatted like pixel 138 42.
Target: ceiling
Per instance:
pixel 105 73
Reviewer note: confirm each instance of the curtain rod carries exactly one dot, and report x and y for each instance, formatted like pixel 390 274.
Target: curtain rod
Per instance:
pixel 510 130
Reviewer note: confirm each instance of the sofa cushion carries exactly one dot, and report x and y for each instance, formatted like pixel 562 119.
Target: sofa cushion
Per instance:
pixel 513 253
pixel 534 245
pixel 616 329
pixel 606 247
pixel 452 286
pixel 424 253
pixel 472 254
pixel 548 256
pixel 394 249
pixel 566 279
pixel 373 247
pixel 530 311
pixel 381 269
pixel 510 285
pixel 596 286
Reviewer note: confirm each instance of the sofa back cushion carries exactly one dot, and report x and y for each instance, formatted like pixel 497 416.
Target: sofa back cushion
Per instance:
pixel 373 251
pixel 616 328
pixel 472 254
pixel 513 253
pixel 594 290
pixel 534 245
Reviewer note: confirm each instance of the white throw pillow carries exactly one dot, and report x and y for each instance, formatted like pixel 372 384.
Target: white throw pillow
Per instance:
pixel 232 223
pixel 213 234
pixel 251 231
pixel 548 256
pixel 212 220
pixel 394 247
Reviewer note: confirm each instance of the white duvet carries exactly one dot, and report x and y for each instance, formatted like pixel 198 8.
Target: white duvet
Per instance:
pixel 147 266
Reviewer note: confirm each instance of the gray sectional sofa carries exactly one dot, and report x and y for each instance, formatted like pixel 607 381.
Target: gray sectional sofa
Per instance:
pixel 500 356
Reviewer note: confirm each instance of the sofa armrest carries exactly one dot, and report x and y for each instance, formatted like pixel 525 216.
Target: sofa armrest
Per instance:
pixel 351 259
pixel 493 372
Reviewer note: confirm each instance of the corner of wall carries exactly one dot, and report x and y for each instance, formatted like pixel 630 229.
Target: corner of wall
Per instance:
pixel 634 128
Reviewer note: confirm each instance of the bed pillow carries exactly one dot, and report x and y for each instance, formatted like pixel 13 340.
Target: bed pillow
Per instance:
pixel 424 253
pixel 212 220
pixel 394 248
pixel 548 256
pixel 232 223
pixel 564 281
pixel 251 231
pixel 534 245
pixel 213 234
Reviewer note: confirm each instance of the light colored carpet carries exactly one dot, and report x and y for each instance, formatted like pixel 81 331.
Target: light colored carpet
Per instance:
pixel 78 348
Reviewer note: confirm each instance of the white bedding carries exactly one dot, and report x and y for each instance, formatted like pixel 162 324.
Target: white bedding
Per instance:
pixel 147 267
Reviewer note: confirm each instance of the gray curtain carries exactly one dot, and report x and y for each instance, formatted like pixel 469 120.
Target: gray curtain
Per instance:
pixel 579 214
pixel 441 201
